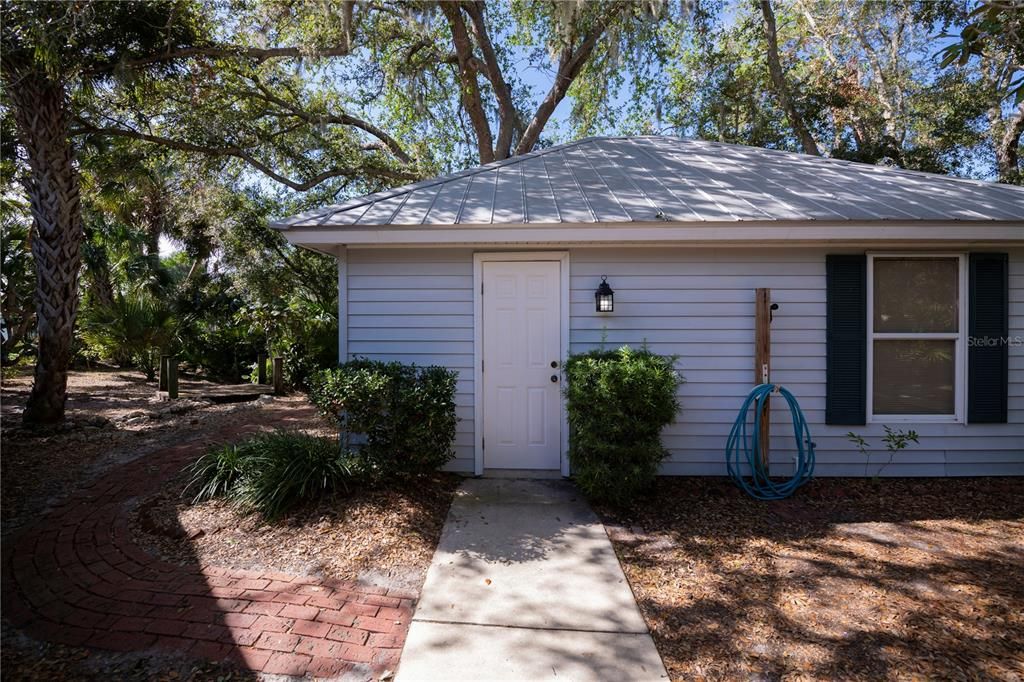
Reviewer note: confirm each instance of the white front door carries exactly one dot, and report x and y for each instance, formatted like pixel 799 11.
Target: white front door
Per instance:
pixel 522 364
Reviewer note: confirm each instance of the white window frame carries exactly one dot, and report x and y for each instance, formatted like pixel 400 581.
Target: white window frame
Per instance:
pixel 960 346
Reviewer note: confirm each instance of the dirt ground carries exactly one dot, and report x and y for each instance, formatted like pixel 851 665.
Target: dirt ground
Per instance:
pixel 851 579
pixel 112 416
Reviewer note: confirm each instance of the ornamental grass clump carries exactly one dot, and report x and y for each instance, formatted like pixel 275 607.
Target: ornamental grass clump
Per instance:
pixel 618 403
pixel 273 473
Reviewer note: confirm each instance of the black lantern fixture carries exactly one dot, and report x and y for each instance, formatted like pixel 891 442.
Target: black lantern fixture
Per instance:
pixel 604 297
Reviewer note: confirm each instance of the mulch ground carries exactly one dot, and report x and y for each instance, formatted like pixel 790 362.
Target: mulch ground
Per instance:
pixel 384 535
pixel 850 579
pixel 119 578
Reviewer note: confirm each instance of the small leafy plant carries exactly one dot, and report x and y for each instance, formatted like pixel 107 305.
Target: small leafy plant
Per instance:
pixel 895 440
pixel 618 402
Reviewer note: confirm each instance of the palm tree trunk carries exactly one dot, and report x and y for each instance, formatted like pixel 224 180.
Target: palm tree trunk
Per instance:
pixel 41 113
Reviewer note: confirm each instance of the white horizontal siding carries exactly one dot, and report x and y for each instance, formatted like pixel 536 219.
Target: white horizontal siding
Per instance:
pixel 699 304
pixel 417 306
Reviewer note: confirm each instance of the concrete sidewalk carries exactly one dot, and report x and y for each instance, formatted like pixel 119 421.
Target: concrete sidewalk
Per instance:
pixel 525 585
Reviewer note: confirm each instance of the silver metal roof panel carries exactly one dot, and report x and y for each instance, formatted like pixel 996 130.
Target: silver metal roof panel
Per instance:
pixel 647 179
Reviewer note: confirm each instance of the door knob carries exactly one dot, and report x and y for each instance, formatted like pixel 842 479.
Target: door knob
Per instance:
pixel 554 378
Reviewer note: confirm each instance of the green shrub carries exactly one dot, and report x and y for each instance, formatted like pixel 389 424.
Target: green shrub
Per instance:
pixel 618 402
pixel 287 468
pixel 399 419
pixel 216 473
pixel 272 473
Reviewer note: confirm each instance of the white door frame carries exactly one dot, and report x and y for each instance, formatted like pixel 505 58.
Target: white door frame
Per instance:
pixel 479 259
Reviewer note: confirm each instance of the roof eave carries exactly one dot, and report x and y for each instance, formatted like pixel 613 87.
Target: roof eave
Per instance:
pixel 725 233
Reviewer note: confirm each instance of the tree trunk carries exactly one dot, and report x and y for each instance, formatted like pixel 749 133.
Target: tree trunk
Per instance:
pixel 41 113
pixel 472 103
pixel 796 121
pixel 1008 147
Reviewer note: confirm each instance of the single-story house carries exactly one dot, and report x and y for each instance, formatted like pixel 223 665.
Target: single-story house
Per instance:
pixel 900 297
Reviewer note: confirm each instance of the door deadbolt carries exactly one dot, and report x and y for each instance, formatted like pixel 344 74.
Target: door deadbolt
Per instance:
pixel 554 363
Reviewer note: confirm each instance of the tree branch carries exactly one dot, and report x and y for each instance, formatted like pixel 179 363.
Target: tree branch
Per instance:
pixel 258 54
pixel 570 63
pixel 471 101
pixel 1007 155
pixel 338 119
pixel 507 114
pixel 237 152
pixel 796 121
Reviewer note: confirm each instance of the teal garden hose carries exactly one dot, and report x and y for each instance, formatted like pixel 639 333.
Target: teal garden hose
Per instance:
pixel 744 447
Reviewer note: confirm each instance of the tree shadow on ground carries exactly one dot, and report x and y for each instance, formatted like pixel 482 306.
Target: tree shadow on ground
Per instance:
pixel 851 579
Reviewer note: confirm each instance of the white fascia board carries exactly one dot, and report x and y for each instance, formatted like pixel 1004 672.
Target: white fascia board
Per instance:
pixel 759 233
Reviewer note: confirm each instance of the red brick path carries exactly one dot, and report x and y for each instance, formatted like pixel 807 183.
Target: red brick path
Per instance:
pixel 77 578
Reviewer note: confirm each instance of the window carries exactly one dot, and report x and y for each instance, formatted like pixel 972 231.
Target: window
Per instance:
pixel 915 337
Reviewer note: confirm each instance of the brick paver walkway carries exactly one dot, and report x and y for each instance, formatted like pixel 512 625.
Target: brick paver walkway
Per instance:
pixel 77 578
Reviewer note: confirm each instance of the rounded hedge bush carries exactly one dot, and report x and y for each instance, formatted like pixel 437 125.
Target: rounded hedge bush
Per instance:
pixel 618 403
pixel 397 418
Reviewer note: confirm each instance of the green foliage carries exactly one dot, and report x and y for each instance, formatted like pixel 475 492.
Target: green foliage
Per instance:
pixel 399 419
pixel 288 297
pixel 894 440
pixel 217 472
pixel 17 283
pixel 286 469
pixel 134 330
pixel 618 402
pixel 272 473
pixel 63 40
pixel 991 25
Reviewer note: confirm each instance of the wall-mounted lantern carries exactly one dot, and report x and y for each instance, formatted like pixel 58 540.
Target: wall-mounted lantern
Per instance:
pixel 604 297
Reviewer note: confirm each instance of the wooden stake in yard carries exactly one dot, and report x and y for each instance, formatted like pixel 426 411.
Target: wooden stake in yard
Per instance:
pixel 763 365
pixel 163 372
pixel 261 369
pixel 278 376
pixel 172 378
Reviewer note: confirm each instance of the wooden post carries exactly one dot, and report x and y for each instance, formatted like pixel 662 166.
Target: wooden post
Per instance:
pixel 163 372
pixel 763 365
pixel 278 376
pixel 261 369
pixel 172 378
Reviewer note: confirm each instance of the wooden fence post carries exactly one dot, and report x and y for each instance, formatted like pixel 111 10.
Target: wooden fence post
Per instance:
pixel 172 378
pixel 163 372
pixel 278 376
pixel 763 366
pixel 261 369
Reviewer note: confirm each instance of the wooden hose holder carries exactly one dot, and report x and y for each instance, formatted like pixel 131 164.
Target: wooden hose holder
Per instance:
pixel 763 365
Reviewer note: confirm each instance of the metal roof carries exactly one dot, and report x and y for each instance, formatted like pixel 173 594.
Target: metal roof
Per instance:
pixel 656 179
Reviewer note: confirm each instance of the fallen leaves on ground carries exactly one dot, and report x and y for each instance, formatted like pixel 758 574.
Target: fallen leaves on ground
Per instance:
pixel 383 534
pixel 112 417
pixel 850 579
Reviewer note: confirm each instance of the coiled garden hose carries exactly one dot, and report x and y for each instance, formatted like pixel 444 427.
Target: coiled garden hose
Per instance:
pixel 744 447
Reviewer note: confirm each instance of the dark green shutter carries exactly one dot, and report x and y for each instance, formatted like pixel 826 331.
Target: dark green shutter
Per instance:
pixel 846 339
pixel 988 329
